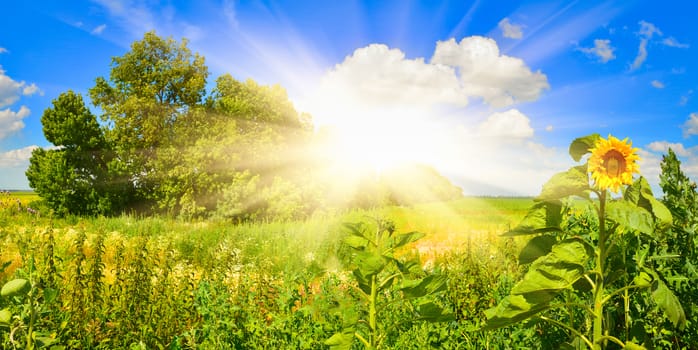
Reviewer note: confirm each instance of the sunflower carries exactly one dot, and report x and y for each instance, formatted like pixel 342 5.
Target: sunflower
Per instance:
pixel 612 163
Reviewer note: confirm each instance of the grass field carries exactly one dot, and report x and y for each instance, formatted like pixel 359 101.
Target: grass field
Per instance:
pixel 261 283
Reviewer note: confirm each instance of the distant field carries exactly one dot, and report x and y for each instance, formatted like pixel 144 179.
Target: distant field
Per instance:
pixel 25 197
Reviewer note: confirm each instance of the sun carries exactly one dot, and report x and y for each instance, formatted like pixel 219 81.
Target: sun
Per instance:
pixel 381 144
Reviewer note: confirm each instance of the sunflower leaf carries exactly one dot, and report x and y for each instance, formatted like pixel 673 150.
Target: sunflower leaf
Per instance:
pixel 626 214
pixel 581 146
pixel 573 182
pixel 542 217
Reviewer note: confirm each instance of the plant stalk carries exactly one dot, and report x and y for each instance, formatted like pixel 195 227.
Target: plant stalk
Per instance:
pixel 597 334
pixel 372 313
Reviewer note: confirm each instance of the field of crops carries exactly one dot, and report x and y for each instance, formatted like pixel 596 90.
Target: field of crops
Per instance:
pixel 158 283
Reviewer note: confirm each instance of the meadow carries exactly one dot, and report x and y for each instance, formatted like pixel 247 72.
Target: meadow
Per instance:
pixel 133 282
pixel 153 282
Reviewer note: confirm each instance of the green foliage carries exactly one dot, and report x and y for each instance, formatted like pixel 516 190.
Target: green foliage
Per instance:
pixel 679 246
pixel 589 255
pixel 73 177
pixel 379 271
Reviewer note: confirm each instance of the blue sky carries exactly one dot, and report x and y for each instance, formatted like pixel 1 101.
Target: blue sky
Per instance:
pixel 489 92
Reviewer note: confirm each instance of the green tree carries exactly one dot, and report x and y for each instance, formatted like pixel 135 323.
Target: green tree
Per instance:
pixel 72 177
pixel 150 89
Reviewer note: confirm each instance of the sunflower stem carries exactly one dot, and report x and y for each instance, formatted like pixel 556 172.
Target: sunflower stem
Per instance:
pixel 597 335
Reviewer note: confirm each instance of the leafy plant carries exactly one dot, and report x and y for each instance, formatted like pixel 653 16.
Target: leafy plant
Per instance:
pixel 589 251
pixel 680 245
pixel 381 271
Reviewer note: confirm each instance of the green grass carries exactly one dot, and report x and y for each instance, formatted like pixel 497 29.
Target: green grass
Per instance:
pixel 257 285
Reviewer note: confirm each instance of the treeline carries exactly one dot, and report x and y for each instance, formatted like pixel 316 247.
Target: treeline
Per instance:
pixel 164 144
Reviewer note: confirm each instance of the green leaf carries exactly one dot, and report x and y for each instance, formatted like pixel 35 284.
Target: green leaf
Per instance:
pixel 668 302
pixel 555 271
pixel 410 266
pixel 536 247
pixel 546 276
pixel 581 146
pixel 640 193
pixel 405 238
pixel 341 340
pixel 15 287
pixel 356 242
pixel 626 214
pixel 363 281
pixel 573 182
pixel 356 229
pixel 542 217
pixel 424 286
pixel 431 312
pixel 369 263
pixel 633 346
pixel 512 309
pixel 5 316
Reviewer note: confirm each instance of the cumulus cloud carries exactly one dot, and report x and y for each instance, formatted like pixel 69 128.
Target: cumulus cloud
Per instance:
pixel 663 147
pixel 11 121
pixel 16 158
pixel 690 127
pixel 672 42
pixel 647 31
pixel 419 109
pixel 11 90
pixel 602 49
pixel 499 80
pixel 98 29
pixel 510 30
pixel 509 124
pixel 377 75
pixel 657 84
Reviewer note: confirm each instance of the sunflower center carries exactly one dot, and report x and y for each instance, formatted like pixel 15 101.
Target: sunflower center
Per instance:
pixel 614 162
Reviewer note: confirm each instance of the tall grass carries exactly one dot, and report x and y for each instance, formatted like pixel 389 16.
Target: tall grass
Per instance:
pixel 130 282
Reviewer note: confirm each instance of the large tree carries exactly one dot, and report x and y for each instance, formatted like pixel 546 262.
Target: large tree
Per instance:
pixel 150 90
pixel 72 176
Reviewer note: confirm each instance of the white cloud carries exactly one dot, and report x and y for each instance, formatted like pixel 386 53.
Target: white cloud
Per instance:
pixel 16 158
pixel 389 105
pixel 672 42
pixel 230 13
pixel 657 84
pixel 11 121
pixel 10 90
pixel 663 147
pixel 32 89
pixel 602 49
pixel 549 128
pixel 509 124
pixel 647 31
pixel 499 79
pixel 684 98
pixel 98 29
pixel 377 75
pixel 3 50
pixel 510 30
pixel 690 127
pixel 137 17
